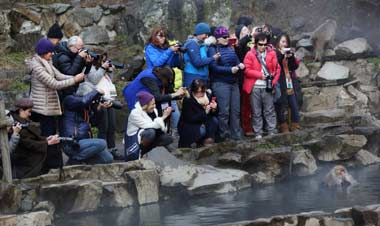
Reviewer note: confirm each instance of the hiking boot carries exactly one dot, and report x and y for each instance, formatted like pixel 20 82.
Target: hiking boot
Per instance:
pixel 294 126
pixel 249 134
pixel 72 162
pixel 258 137
pixel 284 128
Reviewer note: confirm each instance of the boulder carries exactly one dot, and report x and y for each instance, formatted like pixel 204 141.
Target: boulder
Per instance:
pixel 181 176
pixel 303 163
pixel 372 92
pixel 83 17
pixel 71 27
pixel 45 206
pixel 303 53
pixel 354 46
pixel 107 22
pixel 80 195
pixel 95 35
pixel 29 27
pixel 302 70
pixel 10 198
pixel 364 158
pixel 297 23
pixel 119 194
pixel 323 116
pixel 262 178
pixel 96 12
pixel 40 218
pixel 333 71
pixel 5 28
pixel 230 158
pixel 147 184
pixel 60 8
pixel 361 99
pixel 305 43
pixel 27 12
pixel 48 18
pixel 366 215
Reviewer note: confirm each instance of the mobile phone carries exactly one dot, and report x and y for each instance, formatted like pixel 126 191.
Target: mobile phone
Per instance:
pixel 232 41
pixel 213 99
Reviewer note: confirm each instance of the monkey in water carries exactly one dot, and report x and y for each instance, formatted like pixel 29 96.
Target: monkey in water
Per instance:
pixel 339 176
pixel 322 36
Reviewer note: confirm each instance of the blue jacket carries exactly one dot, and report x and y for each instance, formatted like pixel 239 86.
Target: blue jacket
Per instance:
pixel 75 121
pixel 136 86
pixel 157 57
pixel 196 60
pixel 220 70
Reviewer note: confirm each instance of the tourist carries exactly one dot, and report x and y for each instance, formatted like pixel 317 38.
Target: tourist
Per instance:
pixel 45 81
pixel 75 124
pixel 55 34
pixel 28 158
pixel 287 80
pixel 146 130
pixel 196 60
pixel 198 123
pixel 259 83
pixel 224 84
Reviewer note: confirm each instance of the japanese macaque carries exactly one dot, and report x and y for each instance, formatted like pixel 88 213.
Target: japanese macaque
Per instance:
pixel 323 35
pixel 339 176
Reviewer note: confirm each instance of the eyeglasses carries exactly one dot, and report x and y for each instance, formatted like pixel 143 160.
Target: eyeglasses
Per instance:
pixel 161 35
pixel 225 37
pixel 262 44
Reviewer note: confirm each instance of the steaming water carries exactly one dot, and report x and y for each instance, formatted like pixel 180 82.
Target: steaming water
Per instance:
pixel 293 196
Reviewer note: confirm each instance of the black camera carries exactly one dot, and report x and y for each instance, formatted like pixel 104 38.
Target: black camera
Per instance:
pixel 117 65
pixel 23 125
pixel 288 50
pixel 70 141
pixel 269 83
pixel 259 29
pixel 115 104
pixel 181 48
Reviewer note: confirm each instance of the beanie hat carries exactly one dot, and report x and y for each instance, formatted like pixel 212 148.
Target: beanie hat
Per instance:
pixel 202 28
pixel 144 97
pixel 245 20
pixel 23 103
pixel 44 46
pixel 55 31
pixel 238 30
pixel 85 88
pixel 221 32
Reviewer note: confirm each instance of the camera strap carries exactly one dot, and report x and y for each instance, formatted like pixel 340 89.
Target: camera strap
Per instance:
pixel 263 64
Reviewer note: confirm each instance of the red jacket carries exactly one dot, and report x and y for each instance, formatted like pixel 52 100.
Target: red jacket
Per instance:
pixel 253 68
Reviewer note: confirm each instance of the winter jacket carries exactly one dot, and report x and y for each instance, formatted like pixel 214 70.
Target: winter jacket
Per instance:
pixel 30 153
pixel 157 57
pixel 196 60
pixel 76 115
pixel 139 119
pixel 253 69
pixel 220 70
pixel 45 81
pixel 292 65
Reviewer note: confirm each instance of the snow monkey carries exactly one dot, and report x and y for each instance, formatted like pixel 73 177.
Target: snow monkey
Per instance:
pixel 323 35
pixel 338 176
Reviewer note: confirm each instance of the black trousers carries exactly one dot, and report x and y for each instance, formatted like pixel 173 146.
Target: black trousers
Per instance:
pixel 106 126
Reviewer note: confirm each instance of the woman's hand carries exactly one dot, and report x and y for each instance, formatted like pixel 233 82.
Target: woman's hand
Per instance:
pixel 79 77
pixel 54 139
pixel 179 93
pixel 106 65
pixel 167 112
pixel 234 69
pixel 174 48
pixel 106 104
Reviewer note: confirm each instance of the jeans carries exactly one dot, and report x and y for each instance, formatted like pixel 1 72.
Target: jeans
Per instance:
pixel 228 98
pixel 106 126
pixel 280 110
pixel 93 151
pixel 263 107
pixel 210 129
pixel 189 78
pixel 175 115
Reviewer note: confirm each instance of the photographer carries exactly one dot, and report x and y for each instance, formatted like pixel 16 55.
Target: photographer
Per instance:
pixel 288 83
pixel 29 155
pixel 224 84
pixel 104 115
pixel 77 108
pixel 261 75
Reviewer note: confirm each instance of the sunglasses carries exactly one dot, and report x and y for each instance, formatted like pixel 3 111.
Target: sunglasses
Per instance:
pixel 225 37
pixel 161 35
pixel 262 44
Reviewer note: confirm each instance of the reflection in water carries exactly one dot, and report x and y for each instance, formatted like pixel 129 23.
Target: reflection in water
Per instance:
pixel 295 196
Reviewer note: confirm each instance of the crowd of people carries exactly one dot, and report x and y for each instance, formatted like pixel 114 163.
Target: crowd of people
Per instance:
pixel 217 86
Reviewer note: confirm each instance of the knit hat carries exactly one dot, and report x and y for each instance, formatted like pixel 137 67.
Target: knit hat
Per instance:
pixel 44 46
pixel 221 32
pixel 55 31
pixel 23 103
pixel 202 28
pixel 238 30
pixel 245 20
pixel 85 88
pixel 144 97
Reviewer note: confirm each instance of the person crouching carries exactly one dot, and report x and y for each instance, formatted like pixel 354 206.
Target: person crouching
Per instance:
pixel 145 129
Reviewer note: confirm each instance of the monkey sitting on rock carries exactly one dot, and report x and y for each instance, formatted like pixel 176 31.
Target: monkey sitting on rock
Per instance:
pixel 339 176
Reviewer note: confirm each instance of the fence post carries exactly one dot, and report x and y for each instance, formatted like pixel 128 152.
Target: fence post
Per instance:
pixel 7 168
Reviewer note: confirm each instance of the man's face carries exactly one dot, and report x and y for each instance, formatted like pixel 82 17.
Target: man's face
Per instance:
pixel 77 47
pixel 202 37
pixel 261 45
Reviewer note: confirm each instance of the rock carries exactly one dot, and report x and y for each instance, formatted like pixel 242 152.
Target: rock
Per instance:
pixel 107 22
pixel 83 17
pixel 305 43
pixel 372 92
pixel 95 35
pixel 312 222
pixel 323 116
pixel 96 12
pixel 80 196
pixel 147 184
pixel 232 158
pixel 297 23
pixel 329 52
pixel 162 157
pixel 303 53
pixel 10 198
pixel 29 27
pixel 6 41
pixel 40 218
pixel 303 163
pixel 71 28
pixel 333 71
pixel 30 14
pixel 354 46
pixel 112 35
pixel 302 71
pixel 48 18
pixel 364 158
pixel 45 206
pixel 60 8
pixel 182 176
pixel 262 178
pixel 365 216
pixel 118 194
pixel 361 99
pixel 329 221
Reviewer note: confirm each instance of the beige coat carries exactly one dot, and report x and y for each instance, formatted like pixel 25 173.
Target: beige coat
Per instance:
pixel 46 80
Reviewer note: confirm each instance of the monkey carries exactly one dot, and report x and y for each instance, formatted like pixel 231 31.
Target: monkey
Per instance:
pixel 338 176
pixel 323 35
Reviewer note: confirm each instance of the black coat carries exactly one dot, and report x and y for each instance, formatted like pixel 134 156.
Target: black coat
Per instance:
pixel 30 154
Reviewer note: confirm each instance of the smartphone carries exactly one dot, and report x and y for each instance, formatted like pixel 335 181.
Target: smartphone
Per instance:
pixel 213 99
pixel 232 42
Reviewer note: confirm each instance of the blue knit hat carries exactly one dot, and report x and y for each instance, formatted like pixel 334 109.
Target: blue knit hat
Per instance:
pixel 202 28
pixel 44 46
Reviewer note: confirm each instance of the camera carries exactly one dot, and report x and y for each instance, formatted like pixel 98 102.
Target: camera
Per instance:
pixel 115 104
pixel 116 64
pixel 288 50
pixel 70 141
pixel 259 29
pixel 23 125
pixel 269 83
pixel 181 48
